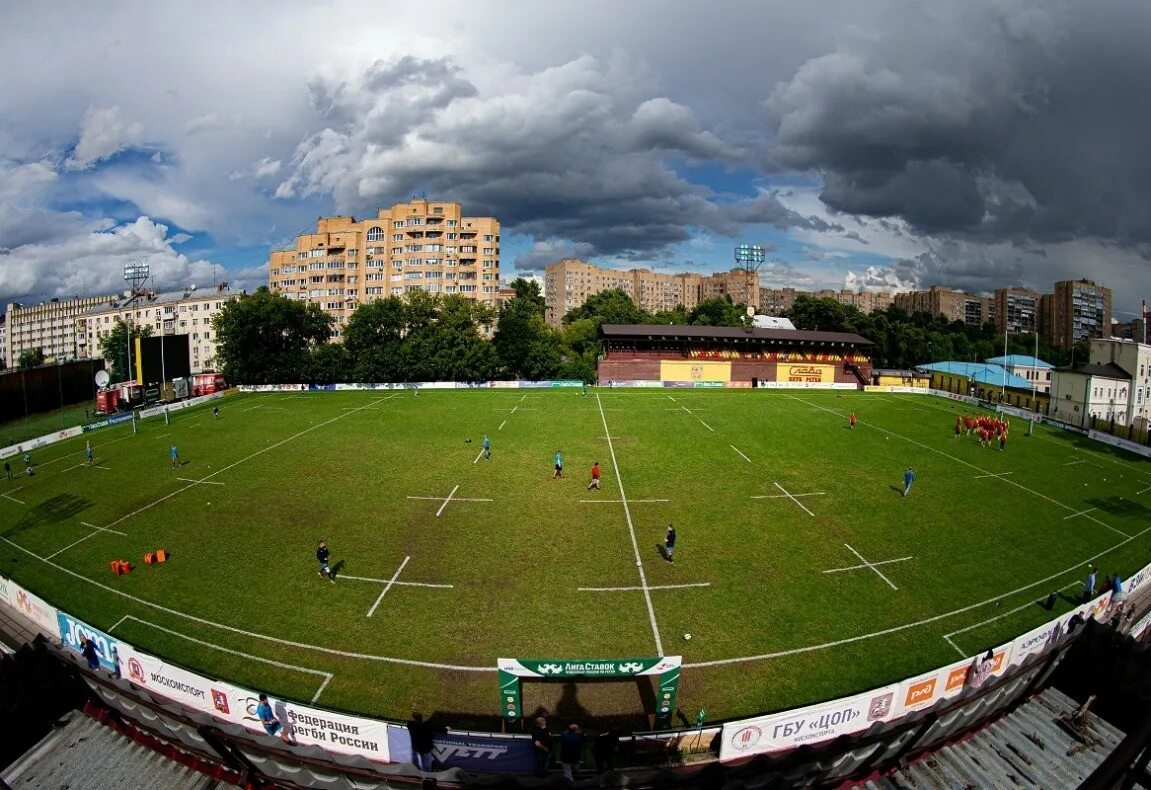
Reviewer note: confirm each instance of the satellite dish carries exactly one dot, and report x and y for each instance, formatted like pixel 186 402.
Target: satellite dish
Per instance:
pixel 102 378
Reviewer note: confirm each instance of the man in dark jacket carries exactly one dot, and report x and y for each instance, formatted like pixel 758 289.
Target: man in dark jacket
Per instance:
pixel 571 750
pixel 542 743
pixel 422 734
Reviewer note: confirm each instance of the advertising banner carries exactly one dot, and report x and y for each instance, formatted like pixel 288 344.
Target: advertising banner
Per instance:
pixel 184 404
pixel 1137 580
pixel 697 370
pixel 272 387
pixel 504 385
pixel 805 373
pixel 186 688
pixel 1039 639
pixel 40 441
pixel 72 630
pixel 925 690
pixel 801 385
pixel 34 608
pixel 1022 414
pixel 955 396
pixel 810 725
pixel 473 751
pixel 119 418
pixel 332 731
pixel 1115 441
pixel 893 388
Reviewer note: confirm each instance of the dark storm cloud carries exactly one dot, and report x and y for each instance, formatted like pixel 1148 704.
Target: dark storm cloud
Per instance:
pixel 990 121
pixel 567 152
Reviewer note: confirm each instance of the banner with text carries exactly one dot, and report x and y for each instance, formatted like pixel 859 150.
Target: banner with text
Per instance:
pixel 33 607
pixel 181 686
pixel 72 630
pixel 481 752
pixel 698 370
pixel 178 405
pixel 946 682
pixel 336 732
pixel 805 726
pixel 805 373
pixel 40 441
pixel 1115 441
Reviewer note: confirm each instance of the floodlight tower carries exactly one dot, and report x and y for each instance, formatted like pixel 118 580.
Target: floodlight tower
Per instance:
pixel 135 274
pixel 749 257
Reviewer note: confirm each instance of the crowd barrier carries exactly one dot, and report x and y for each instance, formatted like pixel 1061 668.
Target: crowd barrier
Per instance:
pixel 178 405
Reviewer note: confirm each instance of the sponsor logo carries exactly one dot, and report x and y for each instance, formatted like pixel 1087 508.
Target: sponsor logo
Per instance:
pixel 956 678
pixel 220 701
pixel 136 672
pixel 880 707
pixel 696 372
pixel 746 738
pixel 551 669
pixel 920 692
pixel 445 753
pixel 24 603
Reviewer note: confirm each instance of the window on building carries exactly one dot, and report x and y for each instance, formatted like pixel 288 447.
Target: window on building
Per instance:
pixel 375 233
pixel 452 223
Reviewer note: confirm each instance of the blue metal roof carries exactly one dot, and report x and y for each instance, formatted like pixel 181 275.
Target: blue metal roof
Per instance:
pixel 1020 360
pixel 981 372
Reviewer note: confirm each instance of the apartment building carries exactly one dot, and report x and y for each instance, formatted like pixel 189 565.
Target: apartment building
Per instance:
pixel 777 301
pixel 569 282
pixel 1114 385
pixel 420 245
pixel 49 326
pixel 1079 310
pixel 187 312
pixel 4 339
pixel 1018 310
pixel 971 309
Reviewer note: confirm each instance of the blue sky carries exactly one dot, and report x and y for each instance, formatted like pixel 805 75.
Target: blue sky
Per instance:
pixel 866 144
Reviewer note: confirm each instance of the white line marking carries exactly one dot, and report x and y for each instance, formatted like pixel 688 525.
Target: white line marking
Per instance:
pixel 981 623
pixel 1080 513
pixel 206 482
pixel 14 499
pixel 70 468
pixel 478 457
pixel 859 567
pixel 103 529
pixel 741 455
pixel 118 622
pixel 965 463
pixel 793 499
pixel 869 565
pixel 388 586
pixel 91 534
pixel 1074 463
pixel 636 589
pixel 631 530
pixel 327 676
pixel 992 474
pixel 445 504
pixel 1144 491
pixel 254 634
pixel 895 629
pixel 398 584
pixel 705 425
pixel 242 460
pixel 257 406
pixel 502 424
pixel 618 501
pixel 788 496
pixel 161 436
pixel 454 499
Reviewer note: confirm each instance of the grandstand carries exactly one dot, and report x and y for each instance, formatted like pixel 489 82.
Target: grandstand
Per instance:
pixel 733 355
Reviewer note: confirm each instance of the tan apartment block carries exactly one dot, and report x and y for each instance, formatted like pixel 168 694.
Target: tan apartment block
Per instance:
pixel 1080 310
pixel 420 245
pixel 971 309
pixel 1018 310
pixel 49 326
pixel 777 301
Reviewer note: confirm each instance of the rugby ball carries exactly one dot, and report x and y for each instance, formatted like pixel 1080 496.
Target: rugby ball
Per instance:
pixel 687 637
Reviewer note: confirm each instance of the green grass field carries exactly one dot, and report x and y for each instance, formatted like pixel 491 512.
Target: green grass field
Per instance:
pixel 371 472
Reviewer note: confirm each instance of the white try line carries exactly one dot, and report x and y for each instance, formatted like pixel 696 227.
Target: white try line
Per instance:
pixel 1080 513
pixel 794 498
pixel 741 455
pixel 206 482
pixel 965 463
pixel 631 531
pixel 253 634
pixel 397 583
pixel 868 565
pixel 982 623
pixel 620 501
pixel 637 589
pixel 327 676
pixel 242 460
pixel 872 566
pixel 478 457
pixel 388 586
pixel 992 474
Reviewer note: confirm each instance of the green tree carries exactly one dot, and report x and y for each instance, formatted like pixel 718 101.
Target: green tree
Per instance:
pixel 719 311
pixel 612 306
pixel 526 346
pixel 529 291
pixel 114 348
pixel 675 317
pixel 328 363
pixel 266 338
pixel 30 358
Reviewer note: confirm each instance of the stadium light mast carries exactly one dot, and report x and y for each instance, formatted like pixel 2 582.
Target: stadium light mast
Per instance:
pixel 135 274
pixel 750 257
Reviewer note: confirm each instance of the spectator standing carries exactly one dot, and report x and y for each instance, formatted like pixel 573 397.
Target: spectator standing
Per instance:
pixel 571 750
pixel 272 725
pixel 542 743
pixel 1089 584
pixel 90 651
pixel 604 750
pixel 422 740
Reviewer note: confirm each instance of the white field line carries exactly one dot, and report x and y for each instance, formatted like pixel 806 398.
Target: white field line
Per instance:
pixel 105 468
pixel 161 436
pixel 502 424
pixel 454 499
pixel 237 463
pixel 206 482
pixel 327 676
pixel 915 624
pixel 966 463
pixel 388 586
pixel 91 534
pixel 1080 513
pixel 397 583
pixel 445 504
pixel 636 589
pixel 253 634
pixel 81 452
pixel 104 529
pixel 631 531
pixel 257 406
pixel 788 496
pixel 1074 463
pixel 701 422
pixel 70 468
pixel 741 455
pixel 478 457
pixel 870 565
pixel 992 474
pixel 1144 491
pixel 982 623
pixel 793 499
pixel 14 499
pixel 618 501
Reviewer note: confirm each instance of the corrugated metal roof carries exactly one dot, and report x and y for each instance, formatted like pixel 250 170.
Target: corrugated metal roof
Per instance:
pixel 84 753
pixel 1020 360
pixel 1035 746
pixel 982 372
pixel 169 297
pixel 1108 371
pixel 679 331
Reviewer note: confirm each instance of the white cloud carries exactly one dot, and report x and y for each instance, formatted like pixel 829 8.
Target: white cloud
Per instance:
pixel 103 133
